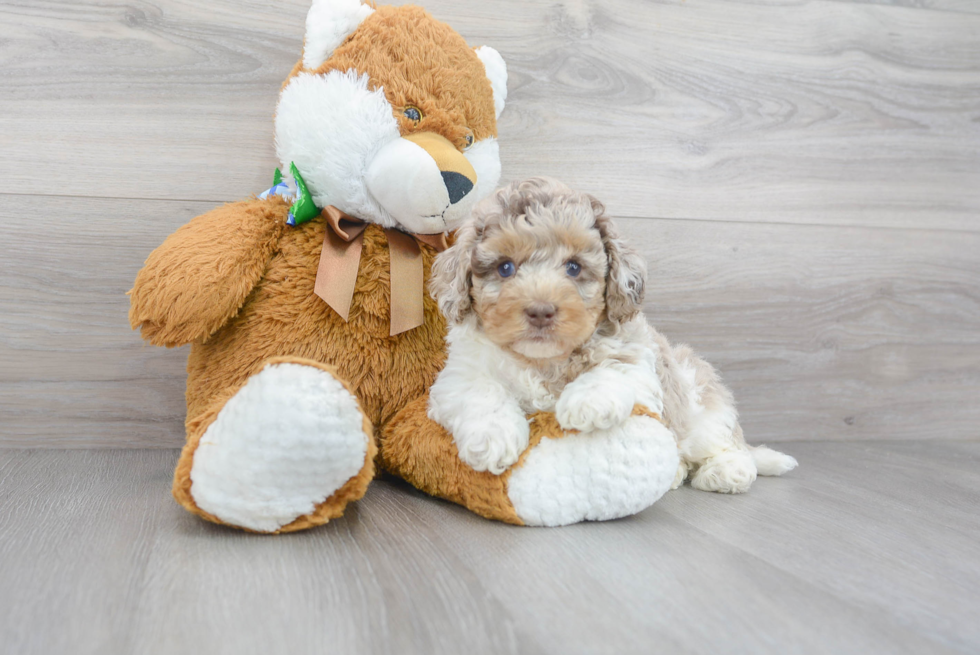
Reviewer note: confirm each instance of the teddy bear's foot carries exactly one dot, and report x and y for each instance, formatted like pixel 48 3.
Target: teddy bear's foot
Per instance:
pixel 561 477
pixel 595 476
pixel 287 451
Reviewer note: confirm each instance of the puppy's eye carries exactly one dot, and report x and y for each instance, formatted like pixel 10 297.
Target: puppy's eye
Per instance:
pixel 573 268
pixel 413 114
pixel 506 269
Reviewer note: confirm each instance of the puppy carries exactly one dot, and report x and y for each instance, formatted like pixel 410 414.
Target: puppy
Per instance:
pixel 544 301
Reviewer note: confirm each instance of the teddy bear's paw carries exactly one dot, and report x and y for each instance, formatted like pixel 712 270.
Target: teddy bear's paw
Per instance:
pixel 598 400
pixel 286 442
pixel 601 475
pixel 492 442
pixel 728 472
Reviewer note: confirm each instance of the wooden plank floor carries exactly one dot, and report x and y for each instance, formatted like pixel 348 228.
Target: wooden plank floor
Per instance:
pixel 866 548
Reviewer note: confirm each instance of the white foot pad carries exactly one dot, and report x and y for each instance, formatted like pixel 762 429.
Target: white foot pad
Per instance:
pixel 728 472
pixel 283 444
pixel 596 476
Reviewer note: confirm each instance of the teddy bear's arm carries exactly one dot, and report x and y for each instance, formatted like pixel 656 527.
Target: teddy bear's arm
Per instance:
pixel 201 275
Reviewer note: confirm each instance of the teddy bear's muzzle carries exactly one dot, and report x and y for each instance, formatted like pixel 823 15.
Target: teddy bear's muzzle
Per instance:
pixel 423 182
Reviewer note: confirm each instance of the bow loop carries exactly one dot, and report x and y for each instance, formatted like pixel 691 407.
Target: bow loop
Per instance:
pixel 344 226
pixel 340 260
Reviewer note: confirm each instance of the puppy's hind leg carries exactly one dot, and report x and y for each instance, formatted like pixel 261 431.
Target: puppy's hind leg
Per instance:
pixel 772 462
pixel 733 465
pixel 712 442
pixel 715 449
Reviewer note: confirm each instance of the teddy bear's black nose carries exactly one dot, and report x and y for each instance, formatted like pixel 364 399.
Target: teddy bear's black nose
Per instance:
pixel 457 185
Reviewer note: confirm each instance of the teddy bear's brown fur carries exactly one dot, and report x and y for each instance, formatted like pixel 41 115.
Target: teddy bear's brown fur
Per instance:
pixel 429 60
pixel 424 454
pixel 238 283
pixel 241 268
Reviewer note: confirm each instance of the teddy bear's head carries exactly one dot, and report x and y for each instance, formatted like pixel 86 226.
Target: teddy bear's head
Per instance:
pixel 391 117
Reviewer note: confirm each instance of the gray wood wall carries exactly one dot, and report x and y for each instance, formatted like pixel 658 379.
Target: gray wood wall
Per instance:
pixel 804 177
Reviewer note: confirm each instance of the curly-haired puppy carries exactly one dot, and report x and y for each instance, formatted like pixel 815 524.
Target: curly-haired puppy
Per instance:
pixel 545 302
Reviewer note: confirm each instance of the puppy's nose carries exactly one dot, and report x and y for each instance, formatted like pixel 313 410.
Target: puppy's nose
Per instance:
pixel 541 314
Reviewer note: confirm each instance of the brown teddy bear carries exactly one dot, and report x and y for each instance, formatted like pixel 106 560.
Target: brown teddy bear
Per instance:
pixel 305 305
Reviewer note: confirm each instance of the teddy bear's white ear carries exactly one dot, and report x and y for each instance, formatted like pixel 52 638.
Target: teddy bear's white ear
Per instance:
pixel 327 25
pixel 497 72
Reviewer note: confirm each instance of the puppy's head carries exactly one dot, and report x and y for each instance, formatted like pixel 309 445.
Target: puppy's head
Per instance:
pixel 542 267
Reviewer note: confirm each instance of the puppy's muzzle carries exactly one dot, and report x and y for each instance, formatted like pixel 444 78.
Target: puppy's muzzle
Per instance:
pixel 541 315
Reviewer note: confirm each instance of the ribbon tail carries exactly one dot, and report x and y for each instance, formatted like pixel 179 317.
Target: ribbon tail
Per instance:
pixel 438 242
pixel 336 274
pixel 407 310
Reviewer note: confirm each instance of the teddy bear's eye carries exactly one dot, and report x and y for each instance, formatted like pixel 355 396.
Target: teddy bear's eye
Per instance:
pixel 413 114
pixel 506 269
pixel 469 140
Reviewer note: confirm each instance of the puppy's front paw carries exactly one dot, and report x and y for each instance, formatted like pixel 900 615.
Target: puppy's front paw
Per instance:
pixel 594 402
pixel 492 442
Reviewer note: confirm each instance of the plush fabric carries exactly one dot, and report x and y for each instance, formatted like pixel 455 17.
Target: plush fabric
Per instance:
pixel 324 509
pixel 595 476
pixel 282 315
pixel 334 121
pixel 306 429
pixel 328 23
pixel 284 396
pixel 560 478
pixel 422 64
pixel 281 318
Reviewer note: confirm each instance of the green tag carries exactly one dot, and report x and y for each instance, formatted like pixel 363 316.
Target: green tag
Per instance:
pixel 277 177
pixel 304 208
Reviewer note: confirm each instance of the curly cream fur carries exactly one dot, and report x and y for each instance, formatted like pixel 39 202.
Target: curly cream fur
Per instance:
pixel 594 360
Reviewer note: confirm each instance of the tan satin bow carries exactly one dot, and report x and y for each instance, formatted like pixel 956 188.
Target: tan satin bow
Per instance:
pixel 341 257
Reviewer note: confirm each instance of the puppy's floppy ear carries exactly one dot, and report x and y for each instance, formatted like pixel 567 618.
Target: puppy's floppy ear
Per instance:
pixel 627 275
pixel 452 276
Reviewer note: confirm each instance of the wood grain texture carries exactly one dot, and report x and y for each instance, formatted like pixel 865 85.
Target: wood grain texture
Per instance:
pixel 71 371
pixel 121 122
pixel 867 548
pixel 827 112
pixel 823 332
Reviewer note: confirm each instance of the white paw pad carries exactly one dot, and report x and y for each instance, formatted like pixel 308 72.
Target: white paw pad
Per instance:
pixel 283 444
pixel 597 476
pixel 728 472
pixel 595 406
pixel 493 442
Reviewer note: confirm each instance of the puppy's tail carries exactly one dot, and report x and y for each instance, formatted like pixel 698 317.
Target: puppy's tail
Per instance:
pixel 772 462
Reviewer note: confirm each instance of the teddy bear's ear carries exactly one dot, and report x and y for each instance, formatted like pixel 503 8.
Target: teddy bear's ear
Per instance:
pixel 327 25
pixel 497 72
